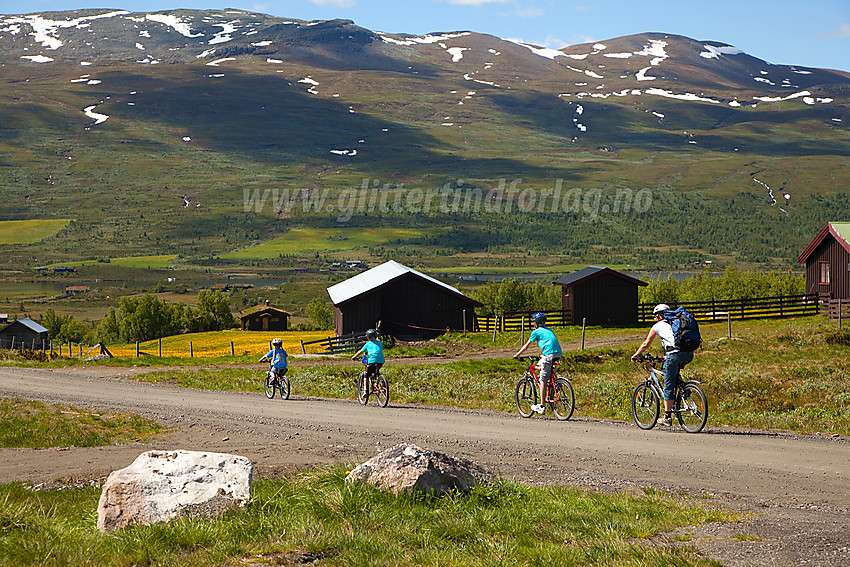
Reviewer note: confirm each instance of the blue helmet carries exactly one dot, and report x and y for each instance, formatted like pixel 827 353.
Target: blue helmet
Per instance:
pixel 538 317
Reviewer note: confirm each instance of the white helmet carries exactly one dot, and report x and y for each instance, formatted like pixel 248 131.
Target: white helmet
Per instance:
pixel 660 308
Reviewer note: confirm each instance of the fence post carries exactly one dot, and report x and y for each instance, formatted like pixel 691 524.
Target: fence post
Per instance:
pixel 583 325
pixel 160 347
pixel 464 321
pixel 137 349
pixel 51 346
pixel 729 324
pixel 191 352
pixel 13 343
pixel 81 349
pixel 303 350
pixel 232 352
pixel 495 324
pixel 522 330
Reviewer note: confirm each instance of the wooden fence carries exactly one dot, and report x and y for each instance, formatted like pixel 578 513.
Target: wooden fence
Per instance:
pixel 836 309
pixel 516 321
pixel 334 345
pixel 749 308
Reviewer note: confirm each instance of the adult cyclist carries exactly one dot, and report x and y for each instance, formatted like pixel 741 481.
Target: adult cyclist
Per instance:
pixel 550 349
pixel 674 360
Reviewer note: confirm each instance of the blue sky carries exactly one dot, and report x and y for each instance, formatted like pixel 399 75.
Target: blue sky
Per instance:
pixel 813 33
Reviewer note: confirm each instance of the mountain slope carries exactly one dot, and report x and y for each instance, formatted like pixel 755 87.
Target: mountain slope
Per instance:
pixel 119 119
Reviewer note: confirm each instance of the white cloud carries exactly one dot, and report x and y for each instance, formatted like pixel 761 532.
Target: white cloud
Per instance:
pixel 335 3
pixel 529 11
pixel 475 2
pixel 842 31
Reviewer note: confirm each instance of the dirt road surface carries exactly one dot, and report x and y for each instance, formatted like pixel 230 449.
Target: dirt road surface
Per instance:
pixel 795 487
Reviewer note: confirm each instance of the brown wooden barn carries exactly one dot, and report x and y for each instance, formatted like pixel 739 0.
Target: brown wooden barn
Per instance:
pixel 407 303
pixel 264 318
pixel 600 295
pixel 827 260
pixel 24 333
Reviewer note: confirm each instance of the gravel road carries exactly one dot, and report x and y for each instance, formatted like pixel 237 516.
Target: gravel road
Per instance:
pixel 795 486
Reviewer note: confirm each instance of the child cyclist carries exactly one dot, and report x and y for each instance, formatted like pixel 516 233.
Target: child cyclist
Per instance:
pixel 374 353
pixel 278 358
pixel 551 349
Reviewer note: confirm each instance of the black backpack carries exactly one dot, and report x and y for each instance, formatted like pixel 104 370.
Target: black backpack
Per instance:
pixel 685 329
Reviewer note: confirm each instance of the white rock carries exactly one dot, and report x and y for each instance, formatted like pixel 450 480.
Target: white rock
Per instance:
pixel 164 485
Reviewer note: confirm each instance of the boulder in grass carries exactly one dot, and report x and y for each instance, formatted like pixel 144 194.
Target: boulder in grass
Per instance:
pixel 408 467
pixel 163 485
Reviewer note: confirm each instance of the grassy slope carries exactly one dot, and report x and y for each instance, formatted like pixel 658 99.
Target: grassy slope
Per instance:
pixel 125 177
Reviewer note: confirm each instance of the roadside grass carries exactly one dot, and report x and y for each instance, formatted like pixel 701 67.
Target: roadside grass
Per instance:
pixel 37 425
pixel 29 231
pixel 318 516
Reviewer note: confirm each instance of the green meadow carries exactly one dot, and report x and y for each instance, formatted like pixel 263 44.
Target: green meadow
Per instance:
pixel 29 231
pixel 300 240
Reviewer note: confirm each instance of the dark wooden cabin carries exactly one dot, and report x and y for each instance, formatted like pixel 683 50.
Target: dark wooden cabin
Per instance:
pixel 600 295
pixel 264 318
pixel 24 333
pixel 406 303
pixel 827 260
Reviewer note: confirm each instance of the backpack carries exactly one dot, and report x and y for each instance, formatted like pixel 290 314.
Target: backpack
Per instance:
pixel 685 329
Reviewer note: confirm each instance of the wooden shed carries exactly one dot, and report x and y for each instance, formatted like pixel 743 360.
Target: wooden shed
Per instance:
pixel 600 295
pixel 827 260
pixel 407 303
pixel 264 318
pixel 24 333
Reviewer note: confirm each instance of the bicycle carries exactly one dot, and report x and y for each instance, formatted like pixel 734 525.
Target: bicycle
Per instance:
pixel 559 393
pixel 690 407
pixel 276 380
pixel 373 386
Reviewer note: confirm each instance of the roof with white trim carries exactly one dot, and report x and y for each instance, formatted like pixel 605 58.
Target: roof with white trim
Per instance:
pixel 376 277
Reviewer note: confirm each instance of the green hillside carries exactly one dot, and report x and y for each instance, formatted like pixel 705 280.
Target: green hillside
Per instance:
pixel 214 161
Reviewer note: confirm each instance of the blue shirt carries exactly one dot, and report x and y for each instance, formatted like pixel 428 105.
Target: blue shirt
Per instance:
pixel 278 357
pixel 374 351
pixel 546 340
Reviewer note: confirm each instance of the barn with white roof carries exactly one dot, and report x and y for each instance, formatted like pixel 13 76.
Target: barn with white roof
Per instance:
pixel 406 303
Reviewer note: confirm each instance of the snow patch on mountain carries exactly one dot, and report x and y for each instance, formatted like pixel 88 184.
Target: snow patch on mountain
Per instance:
pixel 715 51
pixel 173 22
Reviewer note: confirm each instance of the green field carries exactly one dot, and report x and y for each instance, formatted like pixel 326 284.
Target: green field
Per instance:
pixel 300 240
pixel 29 231
pixel 144 262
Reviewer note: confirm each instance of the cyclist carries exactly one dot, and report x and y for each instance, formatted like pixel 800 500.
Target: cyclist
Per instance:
pixel 278 356
pixel 674 360
pixel 374 353
pixel 551 351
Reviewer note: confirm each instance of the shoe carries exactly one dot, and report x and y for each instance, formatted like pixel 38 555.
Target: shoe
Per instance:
pixel 664 420
pixel 538 408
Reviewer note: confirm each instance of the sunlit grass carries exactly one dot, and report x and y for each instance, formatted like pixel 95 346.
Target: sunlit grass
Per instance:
pixel 29 231
pixel 317 514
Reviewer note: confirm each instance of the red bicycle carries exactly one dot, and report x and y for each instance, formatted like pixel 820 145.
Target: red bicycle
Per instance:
pixel 559 397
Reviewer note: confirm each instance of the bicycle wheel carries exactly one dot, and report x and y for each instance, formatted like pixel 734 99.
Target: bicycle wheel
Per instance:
pixel 283 384
pixel 362 391
pixel 691 408
pixel 564 400
pixel 269 385
pixel 382 390
pixel 525 395
pixel 645 406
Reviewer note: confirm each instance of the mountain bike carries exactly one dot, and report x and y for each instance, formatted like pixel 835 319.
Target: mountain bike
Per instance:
pixel 559 397
pixel 276 380
pixel 690 407
pixel 373 386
